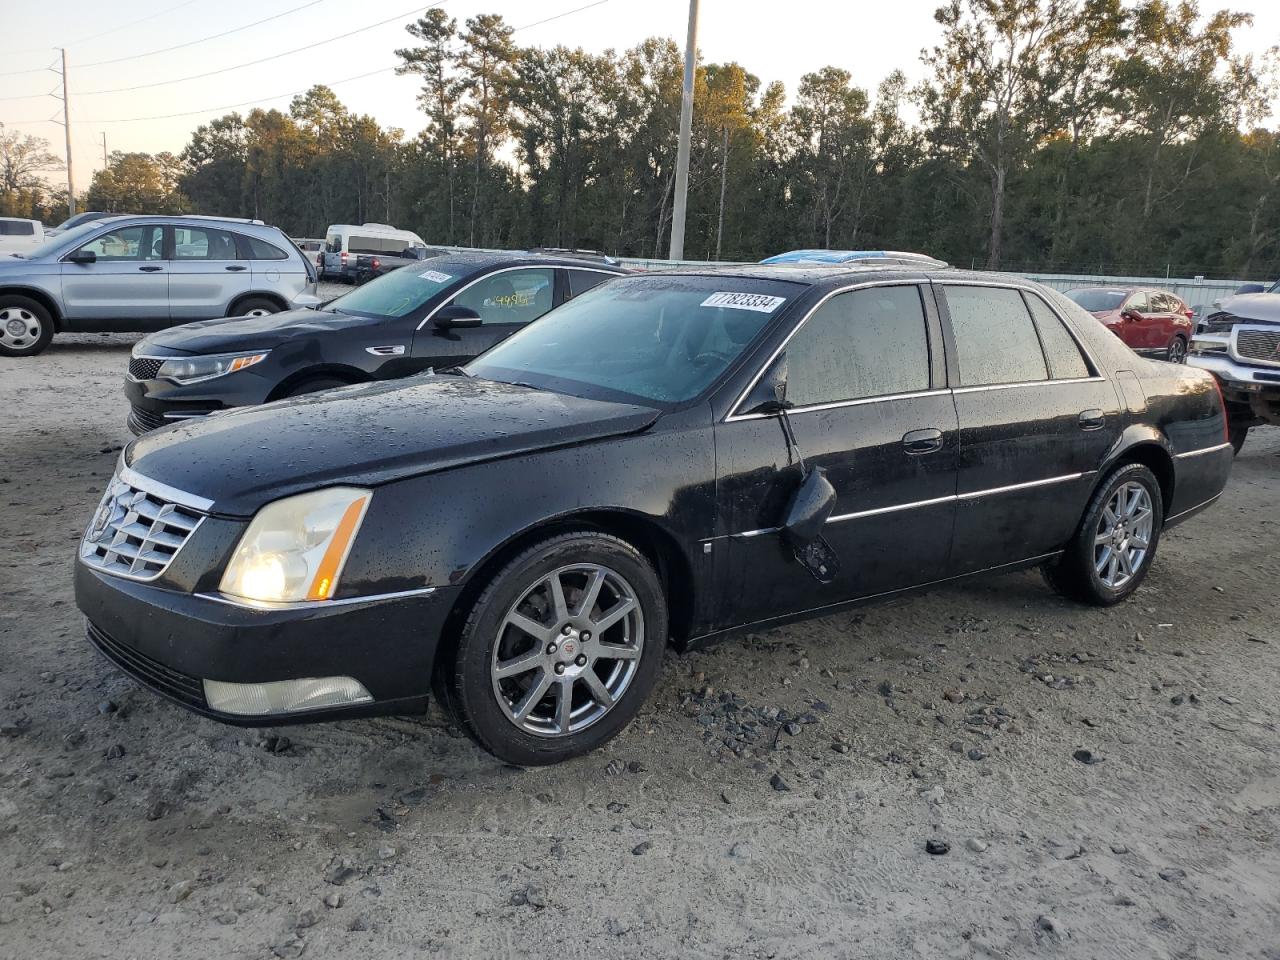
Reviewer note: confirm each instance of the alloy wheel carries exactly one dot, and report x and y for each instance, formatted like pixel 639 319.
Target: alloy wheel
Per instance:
pixel 20 329
pixel 259 312
pixel 567 650
pixel 1178 350
pixel 1123 537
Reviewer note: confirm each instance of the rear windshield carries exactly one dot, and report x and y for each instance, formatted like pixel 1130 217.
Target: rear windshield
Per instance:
pixel 1097 301
pixel 657 340
pixel 398 293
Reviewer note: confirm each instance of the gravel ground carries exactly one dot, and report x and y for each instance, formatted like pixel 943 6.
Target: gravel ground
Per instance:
pixel 774 799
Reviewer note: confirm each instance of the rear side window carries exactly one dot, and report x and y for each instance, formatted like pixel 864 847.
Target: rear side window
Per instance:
pixel 1065 359
pixel 261 250
pixel 996 341
pixel 865 343
pixel 198 243
pixel 17 228
pixel 581 281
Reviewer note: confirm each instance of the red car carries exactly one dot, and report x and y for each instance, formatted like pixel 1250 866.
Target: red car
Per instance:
pixel 1153 323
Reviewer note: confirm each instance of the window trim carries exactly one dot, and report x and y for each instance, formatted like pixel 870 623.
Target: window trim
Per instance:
pixel 734 416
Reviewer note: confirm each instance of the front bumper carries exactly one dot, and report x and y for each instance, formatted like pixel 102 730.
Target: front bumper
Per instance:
pixel 170 641
pixel 158 403
pixel 1229 371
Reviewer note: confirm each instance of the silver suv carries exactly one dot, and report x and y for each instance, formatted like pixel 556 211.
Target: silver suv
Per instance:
pixel 147 273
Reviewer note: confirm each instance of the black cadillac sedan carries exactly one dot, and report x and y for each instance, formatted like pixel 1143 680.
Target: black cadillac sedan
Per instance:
pixel 437 313
pixel 669 458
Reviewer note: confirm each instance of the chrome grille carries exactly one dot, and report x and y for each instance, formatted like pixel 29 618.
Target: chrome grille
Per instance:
pixel 1263 346
pixel 136 534
pixel 144 368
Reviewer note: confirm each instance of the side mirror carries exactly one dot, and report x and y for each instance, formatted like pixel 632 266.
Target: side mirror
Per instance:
pixel 1128 315
pixel 83 256
pixel 1251 288
pixel 769 395
pixel 453 315
pixel 810 507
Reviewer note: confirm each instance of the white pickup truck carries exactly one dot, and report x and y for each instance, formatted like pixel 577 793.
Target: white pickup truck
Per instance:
pixel 18 235
pixel 1238 341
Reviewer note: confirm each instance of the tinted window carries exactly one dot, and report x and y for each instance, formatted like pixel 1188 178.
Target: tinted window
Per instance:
pixel 996 341
pixel 514 296
pixel 128 243
pixel 261 250
pixel 663 339
pixel 17 228
pixel 1096 301
pixel 199 243
pixel 1065 358
pixel 375 245
pixel 866 343
pixel 580 281
pixel 1138 302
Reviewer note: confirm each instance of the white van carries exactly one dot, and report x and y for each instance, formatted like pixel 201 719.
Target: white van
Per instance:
pixel 344 243
pixel 19 236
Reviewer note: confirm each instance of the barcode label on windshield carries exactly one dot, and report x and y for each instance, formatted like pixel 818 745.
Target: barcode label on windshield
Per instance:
pixel 435 276
pixel 759 302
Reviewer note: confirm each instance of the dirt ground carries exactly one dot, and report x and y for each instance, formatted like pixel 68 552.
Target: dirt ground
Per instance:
pixel 774 798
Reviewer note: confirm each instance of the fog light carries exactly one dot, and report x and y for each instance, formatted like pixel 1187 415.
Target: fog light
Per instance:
pixel 284 696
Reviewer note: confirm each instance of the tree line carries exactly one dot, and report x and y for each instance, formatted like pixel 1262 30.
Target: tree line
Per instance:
pixel 1073 136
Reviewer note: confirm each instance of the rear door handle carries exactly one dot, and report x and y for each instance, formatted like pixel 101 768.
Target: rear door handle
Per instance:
pixel 922 441
pixel 237 267
pixel 150 269
pixel 1092 420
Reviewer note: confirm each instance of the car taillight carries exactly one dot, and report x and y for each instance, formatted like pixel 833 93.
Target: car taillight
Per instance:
pixel 344 256
pixel 376 263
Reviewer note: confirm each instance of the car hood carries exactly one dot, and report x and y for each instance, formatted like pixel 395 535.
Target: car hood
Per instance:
pixel 1252 307
pixel 367 435
pixel 232 334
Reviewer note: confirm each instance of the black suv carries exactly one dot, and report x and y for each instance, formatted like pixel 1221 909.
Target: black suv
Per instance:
pixel 437 313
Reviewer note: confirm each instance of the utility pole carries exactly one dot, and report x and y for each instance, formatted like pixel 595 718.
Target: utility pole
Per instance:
pixel 66 127
pixel 686 129
pixel 104 149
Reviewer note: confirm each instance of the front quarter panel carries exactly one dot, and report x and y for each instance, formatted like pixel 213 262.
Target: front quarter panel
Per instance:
pixel 439 529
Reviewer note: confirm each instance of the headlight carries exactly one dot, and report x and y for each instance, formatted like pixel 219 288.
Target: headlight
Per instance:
pixel 295 548
pixel 195 369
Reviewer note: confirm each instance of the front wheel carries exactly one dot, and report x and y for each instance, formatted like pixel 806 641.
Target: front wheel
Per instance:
pixel 1113 548
pixel 560 650
pixel 25 327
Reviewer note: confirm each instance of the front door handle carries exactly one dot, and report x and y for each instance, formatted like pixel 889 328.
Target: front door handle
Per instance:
pixel 236 267
pixel 922 441
pixel 150 269
pixel 1092 420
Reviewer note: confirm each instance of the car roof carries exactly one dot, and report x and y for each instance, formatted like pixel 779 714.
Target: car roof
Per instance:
pixel 193 220
pixel 484 259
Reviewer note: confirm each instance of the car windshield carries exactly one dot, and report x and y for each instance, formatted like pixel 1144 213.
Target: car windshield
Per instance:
pixel 64 241
pixel 657 339
pixel 398 293
pixel 1097 301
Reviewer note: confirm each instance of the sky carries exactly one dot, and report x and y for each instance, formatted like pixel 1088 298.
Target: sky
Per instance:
pixel 122 99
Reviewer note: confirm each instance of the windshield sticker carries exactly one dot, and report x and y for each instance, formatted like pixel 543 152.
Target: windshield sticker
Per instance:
pixel 435 276
pixel 759 302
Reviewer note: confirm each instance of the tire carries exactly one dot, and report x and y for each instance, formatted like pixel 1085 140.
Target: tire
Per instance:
pixel 1177 350
pixel 1085 571
pixel 25 327
pixel 1236 434
pixel 256 307
pixel 488 703
pixel 315 385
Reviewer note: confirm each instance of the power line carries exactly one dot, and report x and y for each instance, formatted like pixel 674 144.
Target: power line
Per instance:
pixel 133 23
pixel 216 36
pixel 254 63
pixel 538 23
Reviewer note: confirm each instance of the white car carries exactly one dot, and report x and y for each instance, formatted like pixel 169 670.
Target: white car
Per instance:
pixel 19 236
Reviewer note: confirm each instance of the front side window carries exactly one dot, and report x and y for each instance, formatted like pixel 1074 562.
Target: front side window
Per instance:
pixel 865 343
pixel 128 243
pixel 996 341
pixel 1138 302
pixel 656 340
pixel 199 243
pixel 513 296
pixel 1066 362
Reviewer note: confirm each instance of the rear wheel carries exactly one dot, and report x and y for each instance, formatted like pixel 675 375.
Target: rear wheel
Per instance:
pixel 1177 352
pixel 25 327
pixel 256 307
pixel 560 649
pixel 1113 548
